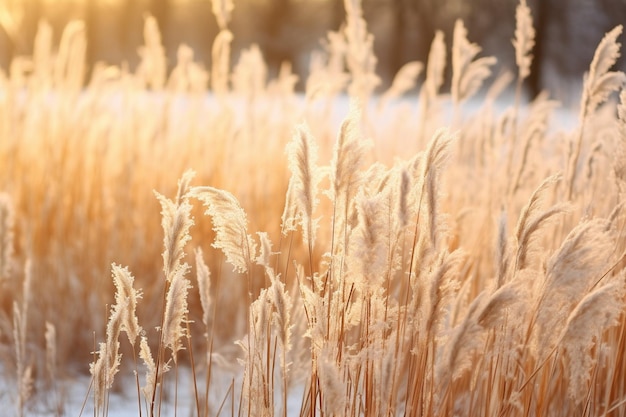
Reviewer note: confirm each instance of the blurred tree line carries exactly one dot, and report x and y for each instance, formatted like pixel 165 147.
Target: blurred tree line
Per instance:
pixel 567 30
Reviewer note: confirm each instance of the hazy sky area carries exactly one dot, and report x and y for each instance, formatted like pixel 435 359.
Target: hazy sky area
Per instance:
pixel 287 30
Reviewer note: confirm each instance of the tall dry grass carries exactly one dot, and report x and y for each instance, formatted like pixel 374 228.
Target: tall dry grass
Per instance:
pixel 403 261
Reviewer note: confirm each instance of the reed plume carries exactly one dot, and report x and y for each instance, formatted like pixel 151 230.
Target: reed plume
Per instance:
pixel 435 157
pixel 404 80
pixel 368 244
pixel 220 67
pixel 106 366
pixel 570 273
pixel 524 39
pixel 599 83
pixel 532 220
pixel 435 69
pixel 596 312
pixel 122 318
pixel 127 296
pixel 174 319
pixel 230 225
pixel 222 10
pixel 435 76
pixel 176 222
pixel 151 370
pixel 152 68
pixel 348 158
pixel 494 310
pixel 360 58
pixel 305 177
pixel 467 74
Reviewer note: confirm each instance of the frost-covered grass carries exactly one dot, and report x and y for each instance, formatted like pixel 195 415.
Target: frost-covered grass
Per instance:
pixel 211 242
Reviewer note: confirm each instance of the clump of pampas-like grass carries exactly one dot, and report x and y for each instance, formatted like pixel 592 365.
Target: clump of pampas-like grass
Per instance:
pixel 463 275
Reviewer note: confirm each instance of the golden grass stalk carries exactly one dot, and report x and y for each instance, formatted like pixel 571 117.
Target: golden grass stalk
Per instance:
pixel 598 85
pixel 220 66
pixel 23 369
pixel 532 220
pixel 20 330
pixel 619 164
pixel 348 158
pixel 302 155
pixel 332 386
pixel 176 221
pixel 127 296
pixel 465 339
pixel 151 372
pixel 187 75
pixel 368 244
pixel 265 251
pixel 7 221
pixel 230 225
pixel 123 317
pixel 50 336
pixel 203 275
pixel 174 319
pixel 282 302
pixel 523 44
pixel 70 64
pixel 104 369
pixel 257 397
pixel 442 285
pixel 621 113
pixel 222 10
pixel 534 129
pixel 435 70
pixel 503 256
pixel 360 58
pixel 281 319
pixel 404 80
pixel 435 76
pixel 249 77
pixel 570 273
pixel 494 310
pixel 152 68
pixel 42 55
pixel 467 74
pixel 596 312
pixel 435 157
pixel 524 39
pixel 402 201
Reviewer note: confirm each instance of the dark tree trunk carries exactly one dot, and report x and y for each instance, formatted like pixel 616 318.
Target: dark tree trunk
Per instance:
pixel 540 12
pixel 400 35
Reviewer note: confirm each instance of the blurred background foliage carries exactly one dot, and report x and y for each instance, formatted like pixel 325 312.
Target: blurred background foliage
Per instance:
pixel 288 30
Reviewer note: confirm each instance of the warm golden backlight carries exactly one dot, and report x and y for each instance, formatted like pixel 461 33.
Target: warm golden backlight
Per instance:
pixel 253 223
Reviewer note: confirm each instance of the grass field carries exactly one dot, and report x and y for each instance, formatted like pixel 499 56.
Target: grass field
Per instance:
pixel 458 254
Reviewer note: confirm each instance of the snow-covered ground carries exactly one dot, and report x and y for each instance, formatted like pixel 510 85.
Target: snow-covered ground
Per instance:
pixel 72 397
